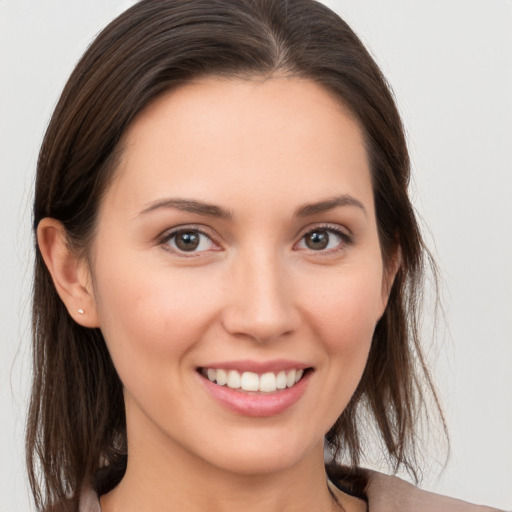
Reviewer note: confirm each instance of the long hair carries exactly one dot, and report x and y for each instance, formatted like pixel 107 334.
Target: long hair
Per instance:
pixel 76 430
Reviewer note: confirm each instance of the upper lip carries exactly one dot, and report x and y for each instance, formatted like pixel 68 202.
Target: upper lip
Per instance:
pixel 259 367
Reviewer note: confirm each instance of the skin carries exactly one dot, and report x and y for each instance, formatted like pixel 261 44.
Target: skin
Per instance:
pixel 254 290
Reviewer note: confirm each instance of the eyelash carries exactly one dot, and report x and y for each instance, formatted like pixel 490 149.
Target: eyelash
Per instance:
pixel 345 240
pixel 167 237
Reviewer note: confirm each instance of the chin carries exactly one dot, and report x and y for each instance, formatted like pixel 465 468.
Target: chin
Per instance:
pixel 262 454
pixel 257 463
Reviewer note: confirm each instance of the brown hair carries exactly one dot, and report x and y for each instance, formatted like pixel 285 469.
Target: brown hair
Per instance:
pixel 76 427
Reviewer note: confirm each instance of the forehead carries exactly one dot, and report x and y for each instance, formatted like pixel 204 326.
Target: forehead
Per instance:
pixel 220 139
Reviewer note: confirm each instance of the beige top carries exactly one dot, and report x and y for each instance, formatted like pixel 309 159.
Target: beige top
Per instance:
pixel 385 494
pixel 392 494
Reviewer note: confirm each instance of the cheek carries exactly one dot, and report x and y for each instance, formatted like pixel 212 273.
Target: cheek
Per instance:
pixel 151 313
pixel 343 316
pixel 342 311
pixel 347 306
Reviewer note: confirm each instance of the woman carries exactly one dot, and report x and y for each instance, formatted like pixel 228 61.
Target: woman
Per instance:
pixel 228 269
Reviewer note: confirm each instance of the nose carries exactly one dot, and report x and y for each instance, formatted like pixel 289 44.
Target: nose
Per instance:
pixel 260 303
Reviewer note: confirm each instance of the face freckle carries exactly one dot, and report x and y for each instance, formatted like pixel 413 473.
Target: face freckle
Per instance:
pixel 249 168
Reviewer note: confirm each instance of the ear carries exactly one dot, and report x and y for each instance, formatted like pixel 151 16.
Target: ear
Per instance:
pixel 391 268
pixel 70 273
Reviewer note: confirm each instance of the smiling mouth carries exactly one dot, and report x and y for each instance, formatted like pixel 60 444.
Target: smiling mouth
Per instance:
pixel 268 382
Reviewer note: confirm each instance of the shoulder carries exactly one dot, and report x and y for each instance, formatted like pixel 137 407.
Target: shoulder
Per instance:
pixel 391 494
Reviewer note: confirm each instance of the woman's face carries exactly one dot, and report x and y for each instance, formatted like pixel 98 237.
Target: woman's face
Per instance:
pixel 238 241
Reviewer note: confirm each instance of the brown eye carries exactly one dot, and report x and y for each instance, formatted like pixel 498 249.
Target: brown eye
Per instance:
pixel 189 241
pixel 317 240
pixel 324 240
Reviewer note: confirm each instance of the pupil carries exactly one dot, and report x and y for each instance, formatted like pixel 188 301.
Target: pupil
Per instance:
pixel 187 241
pixel 317 240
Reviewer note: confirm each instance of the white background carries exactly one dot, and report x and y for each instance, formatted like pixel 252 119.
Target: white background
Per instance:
pixel 450 65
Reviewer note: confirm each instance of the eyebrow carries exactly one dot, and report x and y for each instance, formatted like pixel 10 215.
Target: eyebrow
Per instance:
pixel 211 210
pixel 329 204
pixel 191 206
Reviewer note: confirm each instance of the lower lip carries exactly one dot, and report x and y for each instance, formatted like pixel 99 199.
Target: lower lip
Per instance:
pixel 257 404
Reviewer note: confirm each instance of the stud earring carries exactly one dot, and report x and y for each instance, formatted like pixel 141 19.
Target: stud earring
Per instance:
pixel 81 311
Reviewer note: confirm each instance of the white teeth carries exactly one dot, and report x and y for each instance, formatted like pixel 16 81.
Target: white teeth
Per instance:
pixel 268 382
pixel 281 380
pixel 221 378
pixel 249 381
pixel 234 379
